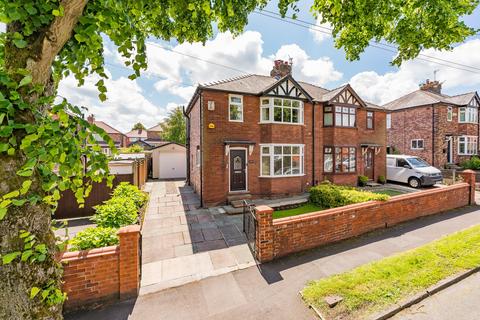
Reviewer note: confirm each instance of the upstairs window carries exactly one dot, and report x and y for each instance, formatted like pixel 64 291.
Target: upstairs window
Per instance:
pixel 467 115
pixel 281 110
pixel 467 145
pixel 416 144
pixel 235 108
pixel 339 116
pixel 389 120
pixel 449 113
pixel 369 120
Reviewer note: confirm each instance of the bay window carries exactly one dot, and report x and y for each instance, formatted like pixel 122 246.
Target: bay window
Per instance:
pixel 281 160
pixel 467 145
pixel 339 159
pixel 339 116
pixel 280 110
pixel 467 115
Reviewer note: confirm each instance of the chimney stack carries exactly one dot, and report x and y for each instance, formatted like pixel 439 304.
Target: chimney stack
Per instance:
pixel 91 119
pixel 432 86
pixel 281 69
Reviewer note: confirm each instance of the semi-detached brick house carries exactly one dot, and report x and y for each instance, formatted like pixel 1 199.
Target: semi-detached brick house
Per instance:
pixel 271 136
pixel 439 128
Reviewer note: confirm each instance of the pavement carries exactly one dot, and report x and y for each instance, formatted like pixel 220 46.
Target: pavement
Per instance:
pixel 270 290
pixel 459 302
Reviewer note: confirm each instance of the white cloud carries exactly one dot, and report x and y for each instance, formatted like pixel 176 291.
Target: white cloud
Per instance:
pixel 243 53
pixel 389 86
pixel 320 31
pixel 125 105
pixel 318 71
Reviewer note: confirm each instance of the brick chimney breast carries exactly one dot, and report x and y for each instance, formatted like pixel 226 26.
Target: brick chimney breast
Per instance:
pixel 281 69
pixel 432 86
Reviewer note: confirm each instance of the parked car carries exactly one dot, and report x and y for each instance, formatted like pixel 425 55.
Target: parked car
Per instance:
pixel 412 170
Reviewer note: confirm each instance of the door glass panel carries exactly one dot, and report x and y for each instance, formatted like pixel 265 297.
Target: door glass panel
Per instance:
pixel 237 163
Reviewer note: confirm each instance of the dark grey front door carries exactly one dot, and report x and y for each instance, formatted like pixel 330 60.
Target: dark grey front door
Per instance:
pixel 238 175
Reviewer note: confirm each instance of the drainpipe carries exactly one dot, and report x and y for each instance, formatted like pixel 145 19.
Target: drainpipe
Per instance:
pixel 201 150
pixel 313 143
pixel 187 144
pixel 433 135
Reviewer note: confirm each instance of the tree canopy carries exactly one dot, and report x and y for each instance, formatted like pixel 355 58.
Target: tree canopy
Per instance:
pixel 138 126
pixel 174 127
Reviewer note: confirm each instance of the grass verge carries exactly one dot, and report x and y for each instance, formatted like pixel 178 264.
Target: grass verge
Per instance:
pixel 378 285
pixel 304 208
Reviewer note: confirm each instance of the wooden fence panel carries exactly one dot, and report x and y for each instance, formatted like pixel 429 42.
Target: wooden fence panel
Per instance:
pixel 68 206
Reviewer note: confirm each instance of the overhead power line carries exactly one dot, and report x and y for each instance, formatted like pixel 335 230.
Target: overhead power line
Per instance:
pixel 375 44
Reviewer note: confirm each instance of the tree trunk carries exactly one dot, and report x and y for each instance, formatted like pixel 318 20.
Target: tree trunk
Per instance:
pixel 18 278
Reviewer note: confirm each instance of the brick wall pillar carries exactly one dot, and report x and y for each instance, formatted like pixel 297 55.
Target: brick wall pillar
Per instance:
pixel 469 177
pixel 264 233
pixel 129 261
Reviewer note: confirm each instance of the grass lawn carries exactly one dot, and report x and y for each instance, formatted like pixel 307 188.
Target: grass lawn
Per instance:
pixel 305 208
pixel 380 284
pixel 389 192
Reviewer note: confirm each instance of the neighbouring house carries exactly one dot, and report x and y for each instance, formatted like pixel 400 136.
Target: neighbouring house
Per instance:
pixel 169 161
pixel 271 136
pixel 148 139
pixel 429 124
pixel 119 138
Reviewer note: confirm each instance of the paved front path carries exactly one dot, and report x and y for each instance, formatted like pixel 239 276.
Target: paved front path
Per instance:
pixel 271 292
pixel 181 243
pixel 459 302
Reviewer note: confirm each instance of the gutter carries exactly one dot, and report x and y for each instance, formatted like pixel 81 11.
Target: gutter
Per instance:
pixel 187 144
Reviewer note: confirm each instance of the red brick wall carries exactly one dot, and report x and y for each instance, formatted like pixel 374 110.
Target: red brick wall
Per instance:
pixel 279 237
pixel 215 161
pixel 98 276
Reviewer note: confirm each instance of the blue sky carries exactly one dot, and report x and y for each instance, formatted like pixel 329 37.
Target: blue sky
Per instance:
pixel 171 77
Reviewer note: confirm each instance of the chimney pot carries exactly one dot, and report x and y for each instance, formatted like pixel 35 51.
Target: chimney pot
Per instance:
pixel 281 69
pixel 91 118
pixel 432 86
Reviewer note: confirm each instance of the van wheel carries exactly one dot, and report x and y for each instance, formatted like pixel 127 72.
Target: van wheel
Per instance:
pixel 414 182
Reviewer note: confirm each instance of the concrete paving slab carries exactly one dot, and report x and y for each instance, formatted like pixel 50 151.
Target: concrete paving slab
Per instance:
pixel 222 258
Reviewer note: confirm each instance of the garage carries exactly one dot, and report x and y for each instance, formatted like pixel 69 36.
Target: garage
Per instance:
pixel 169 161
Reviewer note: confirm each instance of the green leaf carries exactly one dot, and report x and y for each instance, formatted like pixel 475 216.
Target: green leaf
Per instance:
pixel 19 43
pixel 3 213
pixel 56 12
pixel 9 257
pixel 11 151
pixel 19 202
pixel 3 147
pixel 12 194
pixel 33 292
pixel 26 80
pixel 25 186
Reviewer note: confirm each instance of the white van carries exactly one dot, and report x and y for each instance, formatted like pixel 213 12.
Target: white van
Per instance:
pixel 412 170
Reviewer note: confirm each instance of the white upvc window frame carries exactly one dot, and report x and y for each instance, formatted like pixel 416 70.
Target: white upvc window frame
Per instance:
pixel 449 113
pixel 238 104
pixel 270 106
pixel 470 145
pixel 470 115
pixel 389 121
pixel 271 158
pixel 416 143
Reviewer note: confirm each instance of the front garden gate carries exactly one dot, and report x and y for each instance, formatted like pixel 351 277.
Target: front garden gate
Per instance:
pixel 250 225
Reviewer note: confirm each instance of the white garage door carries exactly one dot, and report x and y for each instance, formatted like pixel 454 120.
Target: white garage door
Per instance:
pixel 172 165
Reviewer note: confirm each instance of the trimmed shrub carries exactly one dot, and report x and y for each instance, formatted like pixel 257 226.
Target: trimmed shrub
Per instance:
pixel 116 212
pixel 473 163
pixel 362 181
pixel 92 237
pixel 382 179
pixel 332 196
pixel 127 190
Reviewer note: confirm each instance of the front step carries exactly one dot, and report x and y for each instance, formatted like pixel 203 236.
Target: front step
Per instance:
pixel 236 200
pixel 372 184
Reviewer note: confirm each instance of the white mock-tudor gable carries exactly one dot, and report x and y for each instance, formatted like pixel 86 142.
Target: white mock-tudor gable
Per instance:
pixel 287 87
pixel 346 97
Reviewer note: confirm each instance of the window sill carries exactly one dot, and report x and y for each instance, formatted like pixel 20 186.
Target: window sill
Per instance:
pixel 283 123
pixel 339 173
pixel 289 176
pixel 341 127
pixel 417 149
pixel 235 121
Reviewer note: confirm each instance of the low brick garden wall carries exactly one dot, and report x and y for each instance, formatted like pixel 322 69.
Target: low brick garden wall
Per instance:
pixel 280 237
pixel 104 275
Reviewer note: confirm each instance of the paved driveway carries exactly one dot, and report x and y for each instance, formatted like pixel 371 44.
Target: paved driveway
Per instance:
pixel 182 243
pixel 271 290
